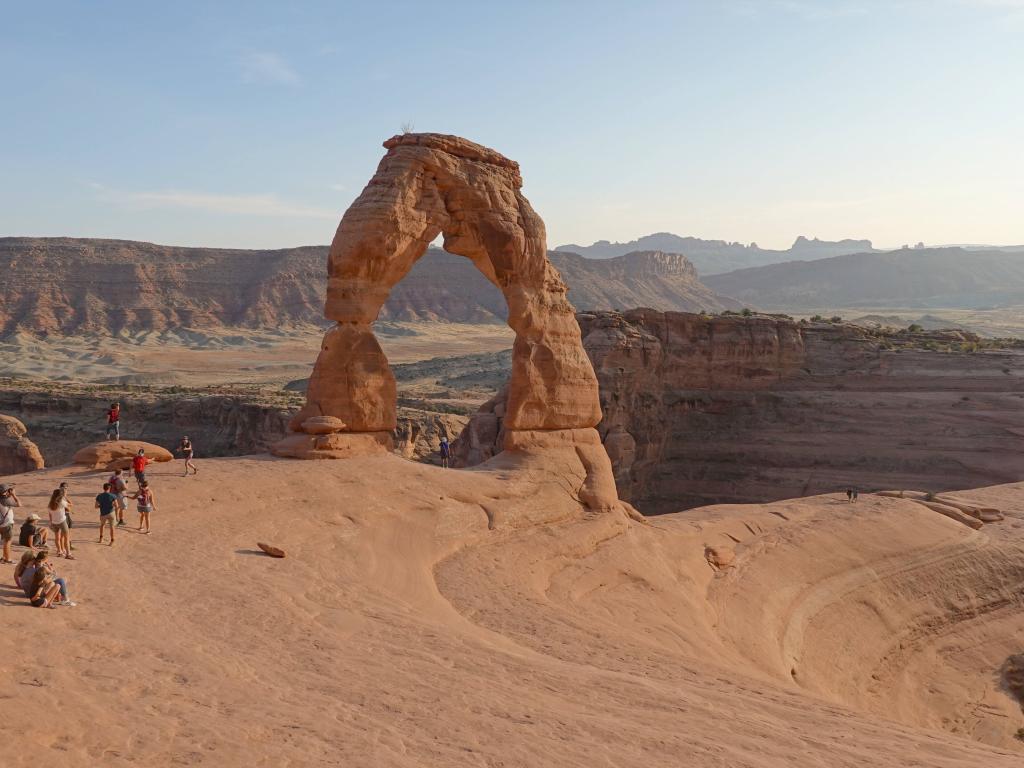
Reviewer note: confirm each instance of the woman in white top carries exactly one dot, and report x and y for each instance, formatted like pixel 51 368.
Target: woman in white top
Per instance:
pixel 58 508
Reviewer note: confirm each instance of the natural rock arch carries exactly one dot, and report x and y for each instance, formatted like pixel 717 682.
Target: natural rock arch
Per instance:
pixel 430 184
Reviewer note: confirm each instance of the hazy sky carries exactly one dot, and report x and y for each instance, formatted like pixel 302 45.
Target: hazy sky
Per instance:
pixel 255 124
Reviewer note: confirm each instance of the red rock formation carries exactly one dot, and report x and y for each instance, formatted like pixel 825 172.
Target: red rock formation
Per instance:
pixel 118 454
pixel 426 185
pixel 17 452
pixel 701 410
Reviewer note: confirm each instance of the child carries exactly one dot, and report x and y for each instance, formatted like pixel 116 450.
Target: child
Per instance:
pixel 147 503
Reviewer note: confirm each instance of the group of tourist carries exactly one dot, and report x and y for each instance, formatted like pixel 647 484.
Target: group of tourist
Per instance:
pixel 35 573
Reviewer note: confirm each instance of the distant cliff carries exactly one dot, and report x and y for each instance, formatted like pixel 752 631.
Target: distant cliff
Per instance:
pixel 702 410
pixel 81 286
pixel 712 257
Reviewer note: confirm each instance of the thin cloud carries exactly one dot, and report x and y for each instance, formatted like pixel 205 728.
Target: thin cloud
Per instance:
pixel 242 205
pixel 268 68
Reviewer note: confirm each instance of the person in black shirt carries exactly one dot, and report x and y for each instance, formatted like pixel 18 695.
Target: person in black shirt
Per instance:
pixel 31 535
pixel 106 503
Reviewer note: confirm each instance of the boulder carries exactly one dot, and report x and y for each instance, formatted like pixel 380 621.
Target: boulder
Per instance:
pixel 117 454
pixel 270 549
pixel 17 452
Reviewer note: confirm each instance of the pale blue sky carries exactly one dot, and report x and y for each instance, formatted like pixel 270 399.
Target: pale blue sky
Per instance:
pixel 255 124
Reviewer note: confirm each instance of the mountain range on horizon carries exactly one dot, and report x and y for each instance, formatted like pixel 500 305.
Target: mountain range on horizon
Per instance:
pixel 715 257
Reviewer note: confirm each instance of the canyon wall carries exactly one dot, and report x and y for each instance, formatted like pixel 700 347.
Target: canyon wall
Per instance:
pixel 700 409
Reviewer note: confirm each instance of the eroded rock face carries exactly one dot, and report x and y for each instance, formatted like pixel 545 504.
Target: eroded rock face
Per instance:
pixel 426 185
pixel 17 452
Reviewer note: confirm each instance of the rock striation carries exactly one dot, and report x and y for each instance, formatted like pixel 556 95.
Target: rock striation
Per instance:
pixel 17 452
pixel 428 185
pixel 719 409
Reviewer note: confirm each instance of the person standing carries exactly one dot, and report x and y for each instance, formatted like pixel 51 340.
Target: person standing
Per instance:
pixel 58 511
pixel 147 503
pixel 114 422
pixel 186 451
pixel 106 503
pixel 8 501
pixel 849 494
pixel 446 451
pixel 119 488
pixel 139 462
pixel 855 495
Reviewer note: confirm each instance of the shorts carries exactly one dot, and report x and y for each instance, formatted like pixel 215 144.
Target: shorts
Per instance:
pixel 60 527
pixel 111 518
pixel 146 510
pixel 122 502
pixel 7 533
pixel 140 476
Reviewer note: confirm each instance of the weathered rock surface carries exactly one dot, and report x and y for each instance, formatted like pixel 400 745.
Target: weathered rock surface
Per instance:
pixel 117 454
pixel 17 452
pixel 426 185
pixel 702 410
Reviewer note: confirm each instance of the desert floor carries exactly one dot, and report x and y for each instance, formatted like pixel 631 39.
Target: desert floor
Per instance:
pixel 186 358
pixel 429 617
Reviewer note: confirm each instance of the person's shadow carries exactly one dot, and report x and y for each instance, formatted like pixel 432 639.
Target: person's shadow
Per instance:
pixel 11 595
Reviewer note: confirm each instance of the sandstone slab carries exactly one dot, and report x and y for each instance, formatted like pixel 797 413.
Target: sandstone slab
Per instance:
pixel 17 452
pixel 117 454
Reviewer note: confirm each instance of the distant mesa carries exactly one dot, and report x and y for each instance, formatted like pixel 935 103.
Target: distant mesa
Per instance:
pixel 118 454
pixel 712 257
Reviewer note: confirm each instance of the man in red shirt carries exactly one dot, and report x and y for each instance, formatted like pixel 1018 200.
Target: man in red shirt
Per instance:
pixel 114 422
pixel 139 462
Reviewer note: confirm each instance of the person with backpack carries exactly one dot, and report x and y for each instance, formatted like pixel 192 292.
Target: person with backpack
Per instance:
pixel 446 451
pixel 114 422
pixel 147 503
pixel 106 503
pixel 186 451
pixel 8 501
pixel 119 488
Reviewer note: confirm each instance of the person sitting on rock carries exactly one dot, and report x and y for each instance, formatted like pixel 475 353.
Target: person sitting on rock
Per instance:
pixel 43 563
pixel 114 422
pixel 27 562
pixel 147 503
pixel 119 488
pixel 8 501
pixel 31 535
pixel 445 450
pixel 43 590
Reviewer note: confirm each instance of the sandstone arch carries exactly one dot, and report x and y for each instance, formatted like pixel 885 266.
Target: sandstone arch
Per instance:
pixel 426 185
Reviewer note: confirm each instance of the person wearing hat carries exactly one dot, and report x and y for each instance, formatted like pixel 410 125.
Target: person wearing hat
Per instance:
pixel 31 535
pixel 8 501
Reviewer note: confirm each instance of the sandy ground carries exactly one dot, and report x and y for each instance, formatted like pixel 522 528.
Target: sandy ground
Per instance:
pixel 207 359
pixel 427 617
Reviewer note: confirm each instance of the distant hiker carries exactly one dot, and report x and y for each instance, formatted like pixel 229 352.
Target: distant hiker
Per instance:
pixel 8 501
pixel 186 451
pixel 445 451
pixel 31 535
pixel 855 495
pixel 58 512
pixel 139 462
pixel 106 503
pixel 849 494
pixel 114 422
pixel 119 488
pixel 147 503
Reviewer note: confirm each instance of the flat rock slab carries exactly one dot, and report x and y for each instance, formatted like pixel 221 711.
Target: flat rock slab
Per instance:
pixel 117 454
